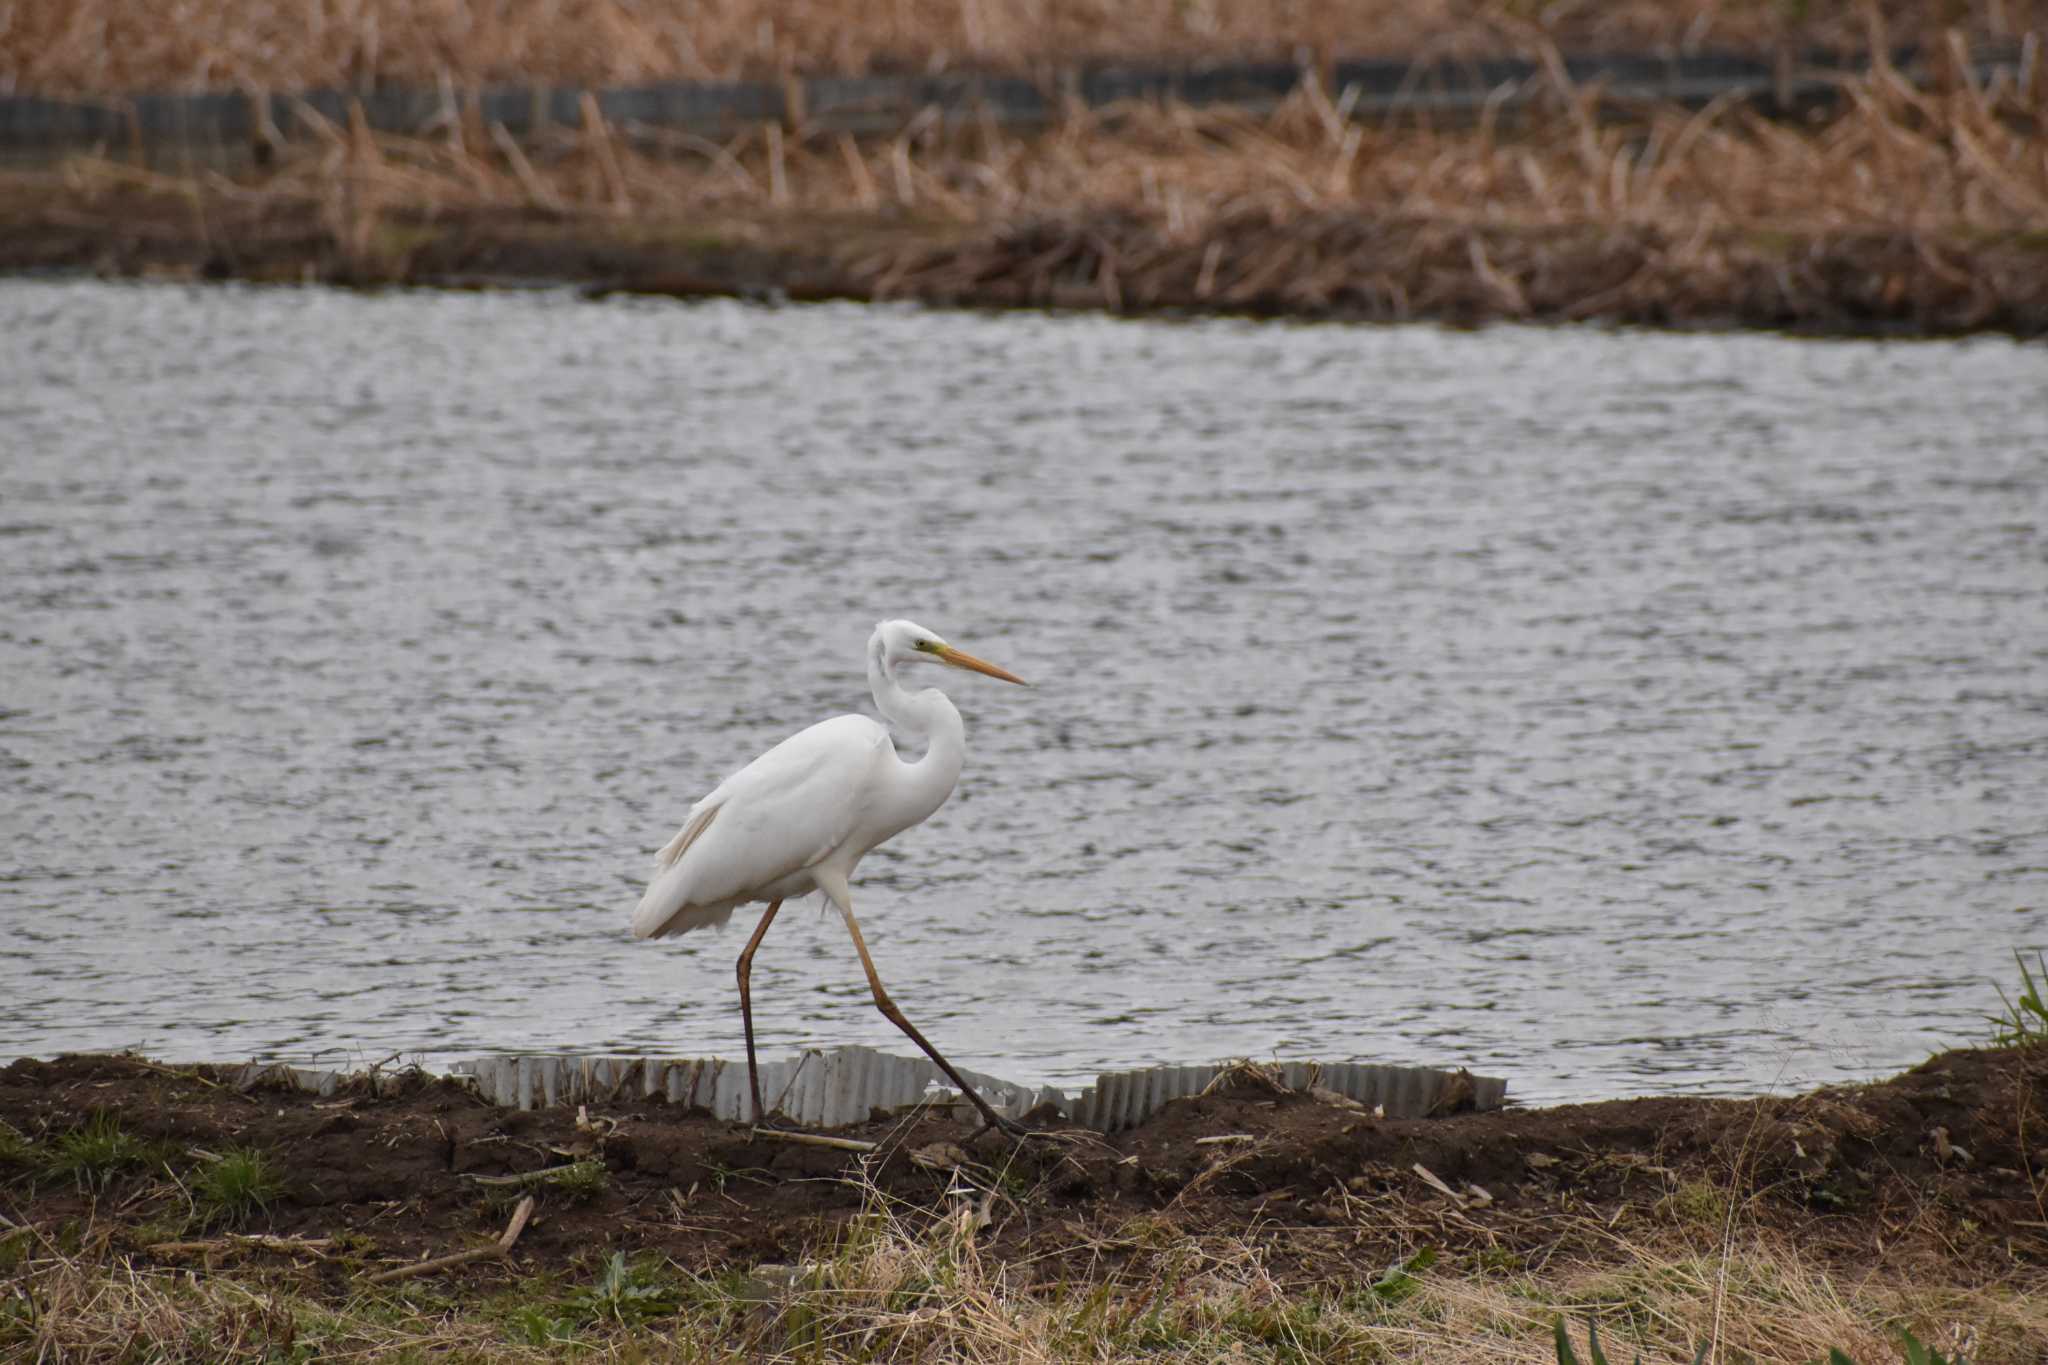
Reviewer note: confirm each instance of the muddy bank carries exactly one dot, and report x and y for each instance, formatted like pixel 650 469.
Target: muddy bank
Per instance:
pixel 1910 209
pixel 1339 265
pixel 1252 1222
pixel 1333 266
pixel 1939 1169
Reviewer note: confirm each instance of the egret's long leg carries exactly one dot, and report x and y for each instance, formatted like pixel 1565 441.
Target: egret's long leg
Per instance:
pixel 746 971
pixel 895 1016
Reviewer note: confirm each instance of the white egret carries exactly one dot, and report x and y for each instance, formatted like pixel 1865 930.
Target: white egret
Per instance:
pixel 800 817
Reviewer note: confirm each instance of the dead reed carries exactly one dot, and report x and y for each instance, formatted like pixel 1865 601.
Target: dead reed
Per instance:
pixel 122 46
pixel 1885 211
pixel 1923 205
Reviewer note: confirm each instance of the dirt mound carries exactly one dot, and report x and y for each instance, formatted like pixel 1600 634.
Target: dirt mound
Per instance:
pixel 1935 1164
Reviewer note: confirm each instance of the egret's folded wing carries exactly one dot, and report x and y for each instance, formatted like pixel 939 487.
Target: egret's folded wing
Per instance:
pixel 700 816
pixel 775 817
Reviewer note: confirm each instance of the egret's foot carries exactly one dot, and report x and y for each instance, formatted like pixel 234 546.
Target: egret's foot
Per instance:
pixel 1008 1127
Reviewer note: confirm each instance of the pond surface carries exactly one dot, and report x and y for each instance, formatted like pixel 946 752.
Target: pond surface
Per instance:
pixel 1613 712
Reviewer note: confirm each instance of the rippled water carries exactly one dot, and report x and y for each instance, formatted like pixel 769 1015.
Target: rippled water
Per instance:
pixel 1613 712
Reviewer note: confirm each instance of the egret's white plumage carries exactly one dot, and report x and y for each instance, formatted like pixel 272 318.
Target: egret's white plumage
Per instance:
pixel 800 817
pixel 764 833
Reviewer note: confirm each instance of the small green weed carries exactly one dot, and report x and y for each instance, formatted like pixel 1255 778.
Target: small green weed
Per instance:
pixel 2025 1021
pixel 92 1155
pixel 16 1151
pixel 171 1225
pixel 581 1181
pixel 1403 1277
pixel 1917 1352
pixel 1595 1356
pixel 242 1181
pixel 1496 1261
pixel 625 1294
pixel 15 1245
pixel 584 1181
pixel 1699 1201
pixel 537 1325
pixel 1299 1331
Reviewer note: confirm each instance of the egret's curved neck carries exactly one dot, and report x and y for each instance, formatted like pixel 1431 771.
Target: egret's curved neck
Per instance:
pixel 926 715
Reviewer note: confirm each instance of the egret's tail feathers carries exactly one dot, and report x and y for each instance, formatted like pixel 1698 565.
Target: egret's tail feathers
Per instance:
pixel 654 919
pixel 667 907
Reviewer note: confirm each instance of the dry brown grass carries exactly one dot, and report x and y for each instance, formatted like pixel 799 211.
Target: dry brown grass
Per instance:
pixel 1672 1224
pixel 1893 201
pixel 1922 205
pixel 916 1285
pixel 1965 162
pixel 1297 210
pixel 102 46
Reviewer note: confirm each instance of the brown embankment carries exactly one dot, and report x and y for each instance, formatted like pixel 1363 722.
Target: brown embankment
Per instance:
pixel 1913 204
pixel 97 47
pixel 1926 1187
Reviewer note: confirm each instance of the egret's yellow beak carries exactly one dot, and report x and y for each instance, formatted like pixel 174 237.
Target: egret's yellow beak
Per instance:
pixel 959 659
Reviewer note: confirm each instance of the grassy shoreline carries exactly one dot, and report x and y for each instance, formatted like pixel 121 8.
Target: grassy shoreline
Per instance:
pixel 161 1213
pixel 1915 205
pixel 913 1288
pixel 1917 210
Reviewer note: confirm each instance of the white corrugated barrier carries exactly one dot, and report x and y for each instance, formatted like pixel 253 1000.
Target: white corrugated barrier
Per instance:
pixel 829 1087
